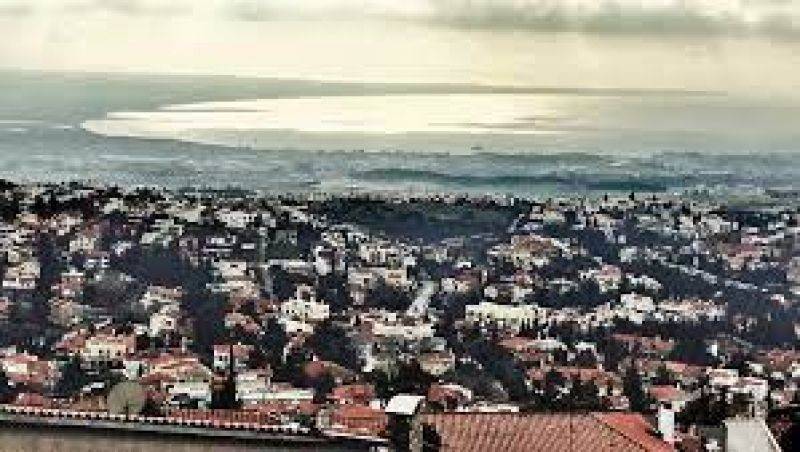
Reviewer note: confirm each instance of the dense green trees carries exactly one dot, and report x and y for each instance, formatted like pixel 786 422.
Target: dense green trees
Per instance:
pixel 388 297
pixel 502 366
pixel 5 388
pixel 73 378
pixel 634 390
pixel 330 342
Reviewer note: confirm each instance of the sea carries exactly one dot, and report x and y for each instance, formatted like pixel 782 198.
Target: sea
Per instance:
pixel 279 136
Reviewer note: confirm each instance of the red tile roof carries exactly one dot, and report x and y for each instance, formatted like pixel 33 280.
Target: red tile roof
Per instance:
pixel 318 369
pixel 354 393
pixel 359 419
pixel 32 399
pixel 511 432
pixel 448 395
pixel 598 376
pixel 667 393
pixel 635 428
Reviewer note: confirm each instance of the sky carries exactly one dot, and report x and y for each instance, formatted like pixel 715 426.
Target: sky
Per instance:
pixel 751 47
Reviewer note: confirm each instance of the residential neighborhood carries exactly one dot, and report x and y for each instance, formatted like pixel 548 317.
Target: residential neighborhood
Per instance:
pixel 633 321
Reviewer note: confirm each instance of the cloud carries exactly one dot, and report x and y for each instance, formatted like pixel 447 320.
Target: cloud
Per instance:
pixel 15 8
pixel 600 16
pixel 125 7
pixel 622 16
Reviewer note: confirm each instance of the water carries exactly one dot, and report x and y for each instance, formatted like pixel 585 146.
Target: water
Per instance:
pixel 281 135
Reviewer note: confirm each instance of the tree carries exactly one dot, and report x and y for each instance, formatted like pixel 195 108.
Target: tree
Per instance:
pixel 585 358
pixel 470 376
pixel 431 440
pixel 331 343
pixel 273 343
pixel 632 387
pixel 502 366
pixel 208 313
pixel 5 387
pixel 410 379
pixel 583 396
pixel 332 288
pixel 691 350
pixel 663 376
pixel 73 378
pixel 388 297
pixel 613 352
pixel 322 387
pixel 225 397
pixel 705 410
pixel 553 382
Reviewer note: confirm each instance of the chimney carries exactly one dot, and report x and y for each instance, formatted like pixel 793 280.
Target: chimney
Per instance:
pixel 666 423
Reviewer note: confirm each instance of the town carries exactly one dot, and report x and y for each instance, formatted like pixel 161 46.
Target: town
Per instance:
pixel 422 322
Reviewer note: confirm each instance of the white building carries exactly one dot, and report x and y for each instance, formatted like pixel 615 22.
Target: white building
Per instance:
pixel 164 321
pixel 22 277
pixel 636 302
pixel 389 324
pixel 305 307
pixel 251 385
pixel 503 316
pixel 107 348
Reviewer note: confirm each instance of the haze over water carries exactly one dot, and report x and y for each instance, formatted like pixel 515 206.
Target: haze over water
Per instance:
pixel 501 96
pixel 606 122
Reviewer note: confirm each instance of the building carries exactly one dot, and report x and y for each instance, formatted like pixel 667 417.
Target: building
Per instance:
pixel 222 356
pixel 503 316
pixel 511 432
pixel 108 349
pixel 305 307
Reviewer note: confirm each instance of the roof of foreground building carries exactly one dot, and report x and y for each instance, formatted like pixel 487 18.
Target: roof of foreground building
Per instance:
pixel 512 432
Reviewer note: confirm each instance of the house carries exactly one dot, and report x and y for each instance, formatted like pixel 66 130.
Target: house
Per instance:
pixel 513 317
pixel 391 325
pixel 305 307
pixel 158 296
pixel 636 303
pixel 608 277
pixel 670 396
pixel 222 356
pixel 164 321
pixel 22 276
pixel 358 419
pixel 108 349
pixel 25 370
pixel 437 363
pixel 251 385
pixel 448 396
pixel 184 379
pixel 352 394
pixel 285 394
pixel 742 435
pixel 315 370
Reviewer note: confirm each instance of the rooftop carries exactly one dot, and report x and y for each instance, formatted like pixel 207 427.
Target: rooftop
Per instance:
pixel 511 432
pixel 404 404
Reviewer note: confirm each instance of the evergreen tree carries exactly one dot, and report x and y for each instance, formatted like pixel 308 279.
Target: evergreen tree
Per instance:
pixel 73 378
pixel 632 387
pixel 5 387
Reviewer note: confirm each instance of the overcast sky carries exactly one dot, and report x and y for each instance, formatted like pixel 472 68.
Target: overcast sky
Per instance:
pixel 751 46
